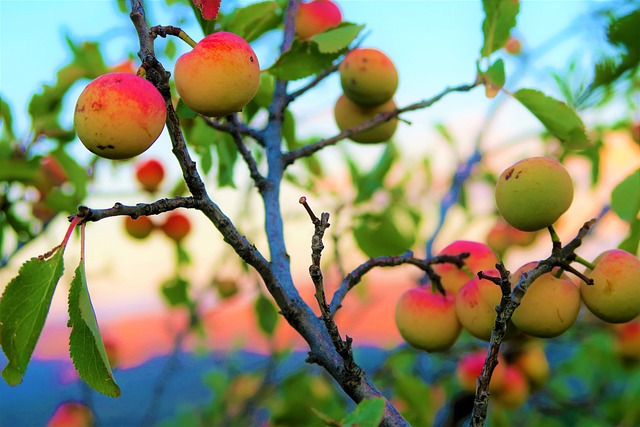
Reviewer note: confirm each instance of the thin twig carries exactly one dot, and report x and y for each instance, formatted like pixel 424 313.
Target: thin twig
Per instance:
pixel 258 179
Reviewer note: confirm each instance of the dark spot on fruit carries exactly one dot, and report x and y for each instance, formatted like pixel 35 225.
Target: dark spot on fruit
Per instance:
pixel 507 177
pixel 518 174
pixel 365 60
pixel 111 146
pixel 80 110
pixel 95 105
pixel 251 58
pixel 105 147
pixel 353 82
pixel 118 80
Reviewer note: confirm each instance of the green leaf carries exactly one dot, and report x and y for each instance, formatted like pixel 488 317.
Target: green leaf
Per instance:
pixel 267 314
pixel 625 198
pixel 495 76
pixel 85 342
pixel 303 59
pixel 17 169
pixel 7 121
pixel 368 413
pixel 252 21
pixel 175 292
pixel 500 18
pixel 368 183
pixel 338 38
pixel 185 112
pixel 227 157
pixel 622 33
pixel 632 242
pixel 23 309
pixel 289 129
pixel 559 119
pixel 390 232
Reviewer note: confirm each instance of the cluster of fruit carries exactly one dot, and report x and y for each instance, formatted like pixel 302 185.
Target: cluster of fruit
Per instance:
pixel 530 195
pixel 175 225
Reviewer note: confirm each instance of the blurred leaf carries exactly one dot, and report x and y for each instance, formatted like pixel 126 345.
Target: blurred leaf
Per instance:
pixel 500 18
pixel 175 292
pixel 227 157
pixel 559 119
pixel 416 393
pixel 87 56
pixel 265 91
pixel 185 112
pixel 254 20
pixel 390 232
pixel 289 129
pixel 15 169
pixel 338 38
pixel 303 59
pixel 625 197
pixel 7 123
pixel 622 33
pixel 495 76
pixel 368 413
pixel 170 49
pixel 444 132
pixel 267 314
pixel 24 306
pixel 85 342
pixel 369 182
pixel 632 242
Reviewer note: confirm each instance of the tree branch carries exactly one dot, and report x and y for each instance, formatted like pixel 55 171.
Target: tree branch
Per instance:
pixel 241 128
pixel 258 179
pixel 310 149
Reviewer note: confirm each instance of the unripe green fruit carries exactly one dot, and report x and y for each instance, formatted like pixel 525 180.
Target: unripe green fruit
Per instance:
pixel 349 114
pixel 533 193
pixel 119 115
pixel 219 76
pixel 426 319
pixel 368 76
pixel 615 295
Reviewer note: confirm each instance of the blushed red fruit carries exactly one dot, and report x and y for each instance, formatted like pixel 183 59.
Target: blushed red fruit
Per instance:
pixel 515 388
pixel 532 361
pixel 126 66
pixel 502 236
pixel 513 46
pixel 139 228
pixel 315 17
pixel 627 340
pixel 119 115
pixel 219 76
pixel 176 226
pixel 150 174
pixel 481 258
pixel 549 307
pixel 49 175
pixel 368 76
pixel 71 414
pixel 349 114
pixel 470 366
pixel 615 295
pixel 426 319
pixel 533 193
pixel 475 313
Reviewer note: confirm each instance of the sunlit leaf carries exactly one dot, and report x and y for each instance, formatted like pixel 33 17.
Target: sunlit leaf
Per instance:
pixel 390 232
pixel 500 18
pixel 303 59
pixel 254 20
pixel 338 38
pixel 85 342
pixel 368 413
pixel 559 119
pixel 24 306
pixel 625 198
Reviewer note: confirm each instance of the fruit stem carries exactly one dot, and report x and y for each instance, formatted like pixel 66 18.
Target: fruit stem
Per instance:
pixel 74 221
pixel 584 262
pixel 554 236
pixel 185 37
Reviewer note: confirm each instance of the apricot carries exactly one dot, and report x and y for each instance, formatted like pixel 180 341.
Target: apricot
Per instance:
pixel 150 174
pixel 427 319
pixel 533 363
pixel 627 340
pixel 515 389
pixel 119 115
pixel 71 414
pixel 470 366
pixel 219 76
pixel 349 114
pixel 481 257
pixel 139 228
pixel 549 307
pixel 513 46
pixel 502 236
pixel 474 312
pixel 533 193
pixel 368 76
pixel 615 295
pixel 176 226
pixel 316 16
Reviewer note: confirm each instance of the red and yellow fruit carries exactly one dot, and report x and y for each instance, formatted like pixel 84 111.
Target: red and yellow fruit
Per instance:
pixel 368 76
pixel 480 258
pixel 615 295
pixel 119 115
pixel 349 114
pixel 532 361
pixel 533 193
pixel 219 76
pixel 139 228
pixel 427 319
pixel 469 368
pixel 71 414
pixel 150 174
pixel 513 46
pixel 316 16
pixel 627 340
pixel 475 312
pixel 502 236
pixel 549 307
pixel 515 389
pixel 176 226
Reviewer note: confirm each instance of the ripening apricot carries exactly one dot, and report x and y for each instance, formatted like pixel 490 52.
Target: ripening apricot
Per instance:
pixel 71 414
pixel 533 193
pixel 139 228
pixel 476 314
pixel 427 319
pixel 316 16
pixel 219 76
pixel 349 114
pixel 515 389
pixel 368 76
pixel 149 174
pixel 176 226
pixel 549 307
pixel 470 366
pixel 119 115
pixel 481 258
pixel 532 361
pixel 615 295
